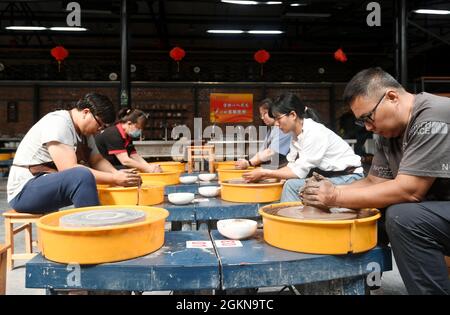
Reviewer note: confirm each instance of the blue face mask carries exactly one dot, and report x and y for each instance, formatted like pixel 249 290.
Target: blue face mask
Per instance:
pixel 135 134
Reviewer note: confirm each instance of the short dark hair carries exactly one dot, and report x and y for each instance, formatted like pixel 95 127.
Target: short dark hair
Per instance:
pixel 371 81
pixel 100 105
pixel 266 103
pixel 288 102
pixel 134 115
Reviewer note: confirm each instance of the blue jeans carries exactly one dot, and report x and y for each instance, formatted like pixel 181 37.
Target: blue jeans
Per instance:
pixel 49 192
pixel 292 186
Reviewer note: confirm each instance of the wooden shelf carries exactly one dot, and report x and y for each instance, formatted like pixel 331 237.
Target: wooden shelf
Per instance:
pixel 164 110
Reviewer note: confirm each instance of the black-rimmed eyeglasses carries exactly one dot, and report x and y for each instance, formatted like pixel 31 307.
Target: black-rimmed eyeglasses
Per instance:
pixel 361 121
pixel 100 124
pixel 279 117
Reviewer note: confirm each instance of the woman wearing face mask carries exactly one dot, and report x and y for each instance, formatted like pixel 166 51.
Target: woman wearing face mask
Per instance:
pixel 115 143
pixel 314 148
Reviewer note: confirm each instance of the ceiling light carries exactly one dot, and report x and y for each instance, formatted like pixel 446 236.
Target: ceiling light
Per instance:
pixel 68 29
pixel 298 4
pixel 274 2
pixel 225 31
pixel 428 11
pixel 265 32
pixel 26 28
pixel 240 2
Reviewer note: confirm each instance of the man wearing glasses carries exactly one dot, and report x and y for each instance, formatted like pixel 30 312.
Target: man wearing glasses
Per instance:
pixel 57 163
pixel 409 177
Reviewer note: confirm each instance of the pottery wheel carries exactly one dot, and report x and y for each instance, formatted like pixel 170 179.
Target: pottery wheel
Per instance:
pixel 310 213
pixel 97 218
pixel 242 181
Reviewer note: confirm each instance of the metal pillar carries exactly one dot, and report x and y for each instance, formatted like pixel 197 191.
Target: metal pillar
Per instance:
pixel 401 59
pixel 125 90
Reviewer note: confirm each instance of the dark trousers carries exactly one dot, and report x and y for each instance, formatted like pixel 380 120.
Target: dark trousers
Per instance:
pixel 419 234
pixel 49 192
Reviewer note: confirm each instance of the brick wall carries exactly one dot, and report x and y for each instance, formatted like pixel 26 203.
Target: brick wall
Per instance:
pixel 24 98
pixel 158 101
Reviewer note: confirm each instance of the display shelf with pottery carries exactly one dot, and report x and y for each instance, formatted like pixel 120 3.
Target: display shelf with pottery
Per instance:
pixel 129 232
pixel 5 156
pixel 237 190
pixel 292 226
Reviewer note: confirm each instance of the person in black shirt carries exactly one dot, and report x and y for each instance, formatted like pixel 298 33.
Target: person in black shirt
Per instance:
pixel 115 143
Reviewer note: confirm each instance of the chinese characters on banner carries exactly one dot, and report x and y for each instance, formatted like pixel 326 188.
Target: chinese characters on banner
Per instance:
pixel 231 108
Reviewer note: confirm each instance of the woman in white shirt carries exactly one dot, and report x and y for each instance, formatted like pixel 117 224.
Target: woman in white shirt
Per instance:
pixel 314 148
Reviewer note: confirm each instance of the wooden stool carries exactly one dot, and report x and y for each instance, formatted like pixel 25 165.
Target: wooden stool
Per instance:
pixel 3 251
pixel 199 153
pixel 12 217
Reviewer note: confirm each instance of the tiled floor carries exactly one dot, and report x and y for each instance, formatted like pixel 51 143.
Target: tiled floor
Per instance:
pixel 391 281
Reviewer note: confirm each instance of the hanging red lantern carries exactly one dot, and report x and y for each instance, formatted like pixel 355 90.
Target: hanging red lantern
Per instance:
pixel 177 54
pixel 261 57
pixel 339 55
pixel 59 53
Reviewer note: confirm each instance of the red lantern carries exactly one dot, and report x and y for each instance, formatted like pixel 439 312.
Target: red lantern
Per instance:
pixel 261 57
pixel 59 53
pixel 339 55
pixel 177 54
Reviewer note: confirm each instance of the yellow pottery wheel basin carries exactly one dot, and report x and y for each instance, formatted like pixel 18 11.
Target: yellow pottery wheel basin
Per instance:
pixel 117 195
pixel 5 156
pixel 94 245
pixel 151 194
pixel 269 192
pixel 317 236
pixel 224 164
pixel 232 173
pixel 168 178
pixel 171 166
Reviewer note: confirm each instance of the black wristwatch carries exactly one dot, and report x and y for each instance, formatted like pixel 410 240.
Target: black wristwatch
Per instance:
pixel 249 162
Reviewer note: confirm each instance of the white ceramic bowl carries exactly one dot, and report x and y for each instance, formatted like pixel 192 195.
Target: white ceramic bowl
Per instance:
pixel 237 229
pixel 209 191
pixel 188 179
pixel 181 198
pixel 207 177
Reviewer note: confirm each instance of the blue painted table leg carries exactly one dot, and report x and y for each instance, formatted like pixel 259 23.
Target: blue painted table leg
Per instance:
pixel 203 226
pixel 181 226
pixel 175 225
pixel 186 226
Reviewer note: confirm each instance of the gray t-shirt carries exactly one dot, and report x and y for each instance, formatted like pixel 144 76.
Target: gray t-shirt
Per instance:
pixel 423 149
pixel 55 126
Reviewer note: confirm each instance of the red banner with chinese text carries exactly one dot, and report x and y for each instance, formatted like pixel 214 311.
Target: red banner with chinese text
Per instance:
pixel 231 108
